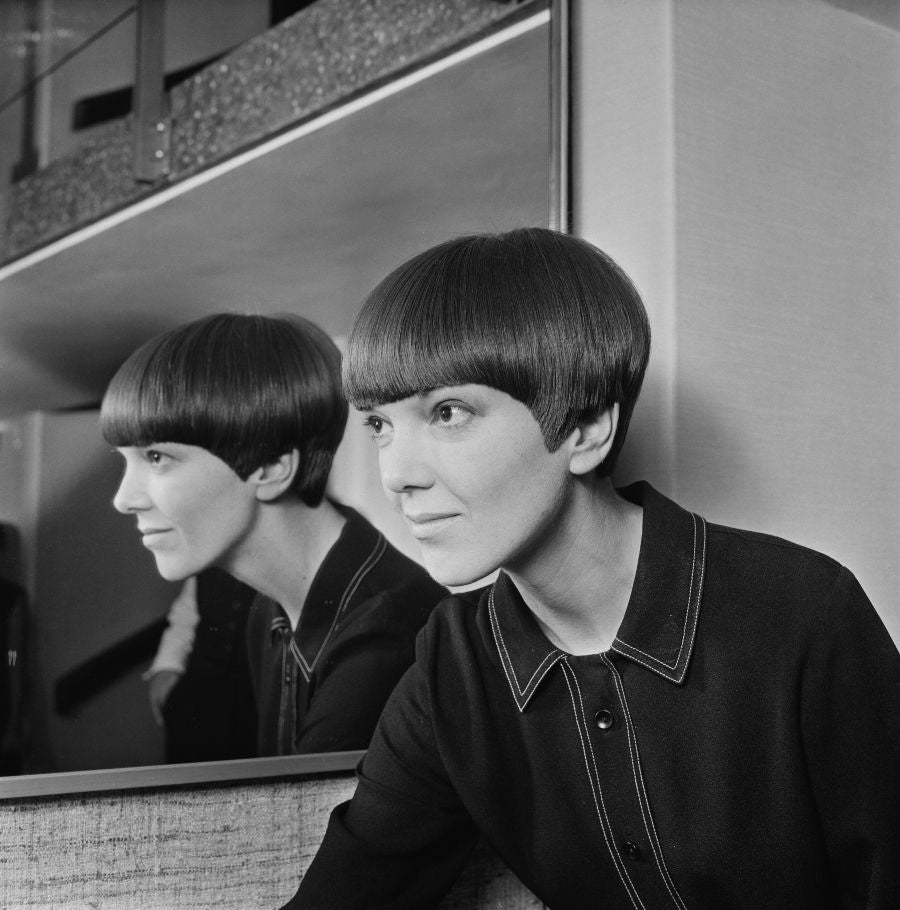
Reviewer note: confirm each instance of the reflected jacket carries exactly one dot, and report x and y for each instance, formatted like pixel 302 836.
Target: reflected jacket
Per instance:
pixel 321 687
pixel 737 747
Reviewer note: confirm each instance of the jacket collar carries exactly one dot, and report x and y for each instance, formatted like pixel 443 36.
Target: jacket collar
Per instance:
pixel 660 621
pixel 338 579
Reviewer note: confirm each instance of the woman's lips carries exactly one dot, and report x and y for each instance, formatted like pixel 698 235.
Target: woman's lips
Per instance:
pixel 426 524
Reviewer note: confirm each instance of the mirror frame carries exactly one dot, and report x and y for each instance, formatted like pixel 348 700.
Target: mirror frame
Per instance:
pixel 557 15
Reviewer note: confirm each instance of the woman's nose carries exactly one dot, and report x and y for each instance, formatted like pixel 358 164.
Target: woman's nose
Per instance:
pixel 130 497
pixel 404 465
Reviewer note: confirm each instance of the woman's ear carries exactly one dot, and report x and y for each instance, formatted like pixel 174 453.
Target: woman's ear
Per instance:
pixel 592 439
pixel 275 478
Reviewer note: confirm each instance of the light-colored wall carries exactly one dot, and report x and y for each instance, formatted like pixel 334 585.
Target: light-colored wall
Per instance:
pixel 741 161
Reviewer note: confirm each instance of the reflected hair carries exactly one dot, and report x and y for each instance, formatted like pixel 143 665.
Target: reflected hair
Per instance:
pixel 246 388
pixel 545 317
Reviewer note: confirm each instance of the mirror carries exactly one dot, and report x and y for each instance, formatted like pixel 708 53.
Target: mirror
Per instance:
pixel 307 223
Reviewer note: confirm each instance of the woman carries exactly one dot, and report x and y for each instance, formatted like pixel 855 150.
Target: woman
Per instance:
pixel 644 710
pixel 228 427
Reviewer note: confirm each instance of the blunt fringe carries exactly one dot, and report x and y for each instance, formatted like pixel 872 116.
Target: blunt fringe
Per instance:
pixel 247 388
pixel 545 317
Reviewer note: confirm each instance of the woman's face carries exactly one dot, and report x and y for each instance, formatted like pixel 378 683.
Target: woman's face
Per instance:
pixel 468 468
pixel 192 510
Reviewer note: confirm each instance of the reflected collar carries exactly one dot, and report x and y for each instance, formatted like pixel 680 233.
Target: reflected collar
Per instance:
pixel 338 579
pixel 657 630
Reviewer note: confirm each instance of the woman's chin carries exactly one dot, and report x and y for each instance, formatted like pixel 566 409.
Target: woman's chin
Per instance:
pixel 172 570
pixel 460 577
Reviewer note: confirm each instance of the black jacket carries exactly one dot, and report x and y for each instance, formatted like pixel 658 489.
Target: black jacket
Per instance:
pixel 738 747
pixel 355 639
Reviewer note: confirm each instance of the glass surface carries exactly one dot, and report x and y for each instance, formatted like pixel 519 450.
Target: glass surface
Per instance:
pixel 308 226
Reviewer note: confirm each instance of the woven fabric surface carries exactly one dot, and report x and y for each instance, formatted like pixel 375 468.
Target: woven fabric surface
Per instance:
pixel 225 847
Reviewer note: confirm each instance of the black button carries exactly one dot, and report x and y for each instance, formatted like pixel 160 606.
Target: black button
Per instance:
pixel 631 850
pixel 604 719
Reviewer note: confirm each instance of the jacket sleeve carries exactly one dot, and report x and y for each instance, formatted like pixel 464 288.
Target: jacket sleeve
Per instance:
pixel 403 839
pixel 851 730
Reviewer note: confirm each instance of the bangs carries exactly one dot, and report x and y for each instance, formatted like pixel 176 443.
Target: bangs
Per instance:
pixel 167 391
pixel 441 319
pixel 246 387
pixel 136 409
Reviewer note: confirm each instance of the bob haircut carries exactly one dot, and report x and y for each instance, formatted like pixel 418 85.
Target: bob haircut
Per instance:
pixel 545 317
pixel 246 388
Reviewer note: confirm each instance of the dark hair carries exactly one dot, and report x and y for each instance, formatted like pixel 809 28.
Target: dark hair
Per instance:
pixel 246 388
pixel 545 317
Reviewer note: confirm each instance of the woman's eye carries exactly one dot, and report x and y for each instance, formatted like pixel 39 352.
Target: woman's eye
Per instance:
pixel 376 426
pixel 451 415
pixel 154 456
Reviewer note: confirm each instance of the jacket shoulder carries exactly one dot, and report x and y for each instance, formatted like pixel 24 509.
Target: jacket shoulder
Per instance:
pixel 755 550
pixel 788 584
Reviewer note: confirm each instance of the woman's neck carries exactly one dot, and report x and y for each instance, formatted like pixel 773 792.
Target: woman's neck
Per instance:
pixel 579 587
pixel 289 545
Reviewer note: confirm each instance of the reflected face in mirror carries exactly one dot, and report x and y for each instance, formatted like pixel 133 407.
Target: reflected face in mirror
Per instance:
pixel 192 509
pixel 333 625
pixel 469 469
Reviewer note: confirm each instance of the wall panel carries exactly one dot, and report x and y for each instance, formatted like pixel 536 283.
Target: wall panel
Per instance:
pixel 762 224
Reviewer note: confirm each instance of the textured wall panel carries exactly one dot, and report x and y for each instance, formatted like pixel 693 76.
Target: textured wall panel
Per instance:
pixel 228 848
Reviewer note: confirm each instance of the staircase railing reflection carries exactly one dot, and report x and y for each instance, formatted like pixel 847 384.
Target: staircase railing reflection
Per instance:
pixel 105 668
pixel 145 99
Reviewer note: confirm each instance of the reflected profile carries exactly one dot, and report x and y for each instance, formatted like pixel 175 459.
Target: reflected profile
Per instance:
pixel 227 428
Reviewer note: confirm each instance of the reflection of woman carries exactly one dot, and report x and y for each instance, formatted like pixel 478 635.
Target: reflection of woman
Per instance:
pixel 645 710
pixel 228 427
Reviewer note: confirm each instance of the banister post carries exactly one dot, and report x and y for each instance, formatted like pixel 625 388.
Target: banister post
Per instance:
pixel 152 127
